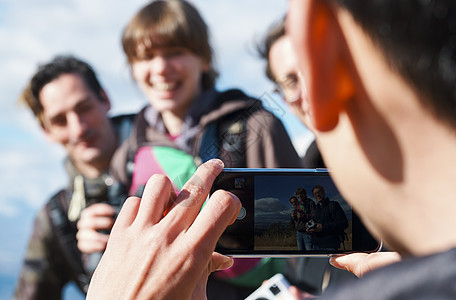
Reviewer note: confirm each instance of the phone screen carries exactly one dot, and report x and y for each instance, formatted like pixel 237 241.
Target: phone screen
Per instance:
pixel 288 212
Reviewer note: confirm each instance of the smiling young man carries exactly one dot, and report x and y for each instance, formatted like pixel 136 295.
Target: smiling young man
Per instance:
pixel 80 123
pixel 380 80
pixel 72 108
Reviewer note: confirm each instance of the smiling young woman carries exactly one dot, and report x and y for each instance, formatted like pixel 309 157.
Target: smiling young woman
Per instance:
pixel 188 121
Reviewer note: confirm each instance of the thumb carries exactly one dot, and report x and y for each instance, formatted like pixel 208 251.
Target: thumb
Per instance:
pixel 362 263
pixel 220 262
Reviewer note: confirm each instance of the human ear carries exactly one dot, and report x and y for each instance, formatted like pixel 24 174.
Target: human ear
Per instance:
pixel 325 64
pixel 105 99
pixel 206 65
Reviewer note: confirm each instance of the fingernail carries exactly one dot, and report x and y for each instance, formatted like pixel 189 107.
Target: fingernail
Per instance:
pixel 227 263
pixel 217 162
pixel 338 262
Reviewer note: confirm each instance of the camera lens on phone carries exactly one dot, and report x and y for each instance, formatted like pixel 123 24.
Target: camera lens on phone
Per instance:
pixel 242 213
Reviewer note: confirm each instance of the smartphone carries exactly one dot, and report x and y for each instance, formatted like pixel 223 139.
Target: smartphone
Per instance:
pixel 275 288
pixel 271 223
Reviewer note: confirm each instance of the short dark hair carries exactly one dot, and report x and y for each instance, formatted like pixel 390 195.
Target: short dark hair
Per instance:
pixel 418 39
pixel 60 65
pixel 275 32
pixel 300 191
pixel 318 187
pixel 293 197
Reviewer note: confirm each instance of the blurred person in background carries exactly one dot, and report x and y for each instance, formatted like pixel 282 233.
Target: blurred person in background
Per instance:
pixel 281 69
pixel 72 108
pixel 314 274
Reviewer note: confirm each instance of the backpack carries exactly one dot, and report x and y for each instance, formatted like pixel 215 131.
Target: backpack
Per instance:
pixel 225 138
pixel 149 160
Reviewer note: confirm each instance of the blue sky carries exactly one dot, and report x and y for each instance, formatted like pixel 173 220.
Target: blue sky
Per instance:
pixel 32 32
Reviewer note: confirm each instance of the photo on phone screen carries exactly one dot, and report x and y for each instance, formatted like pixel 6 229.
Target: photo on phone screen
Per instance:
pixel 290 212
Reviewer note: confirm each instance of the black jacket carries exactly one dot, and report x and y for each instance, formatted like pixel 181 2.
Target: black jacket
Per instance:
pixel 332 217
pixel 429 277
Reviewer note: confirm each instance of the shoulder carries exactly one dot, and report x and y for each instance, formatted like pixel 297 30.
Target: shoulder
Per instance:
pixel 129 119
pixel 313 158
pixel 59 199
pixel 122 118
pixel 430 277
pixel 54 208
pixel 235 102
pixel 141 131
pixel 230 94
pixel 332 202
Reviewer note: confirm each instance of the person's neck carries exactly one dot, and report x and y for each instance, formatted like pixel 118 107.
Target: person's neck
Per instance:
pixel 93 170
pixel 100 165
pixel 412 161
pixel 173 123
pixel 430 190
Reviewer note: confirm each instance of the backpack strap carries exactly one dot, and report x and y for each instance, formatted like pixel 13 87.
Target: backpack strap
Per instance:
pixel 209 145
pixel 123 125
pixel 225 139
pixel 65 231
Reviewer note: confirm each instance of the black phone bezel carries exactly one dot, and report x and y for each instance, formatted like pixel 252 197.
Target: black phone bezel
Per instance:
pixel 362 240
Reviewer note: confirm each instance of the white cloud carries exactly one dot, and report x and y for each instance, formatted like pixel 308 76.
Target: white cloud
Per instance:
pixel 31 172
pixel 268 205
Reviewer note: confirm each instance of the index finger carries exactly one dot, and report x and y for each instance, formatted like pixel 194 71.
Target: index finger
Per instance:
pixel 192 196
pixel 220 211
